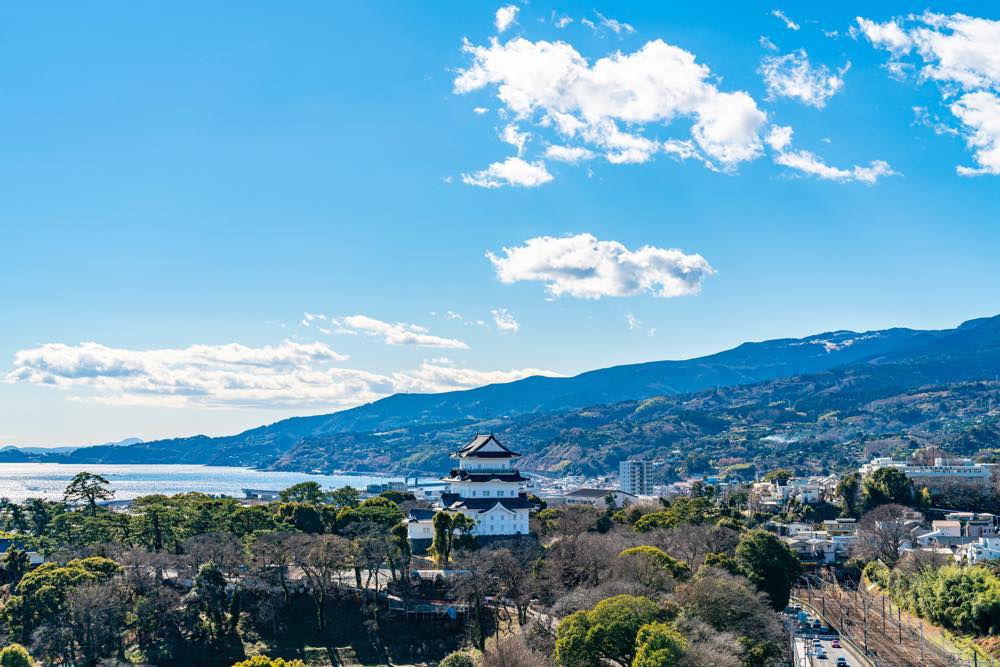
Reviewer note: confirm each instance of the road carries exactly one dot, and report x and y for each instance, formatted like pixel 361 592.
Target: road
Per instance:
pixel 890 639
pixel 805 654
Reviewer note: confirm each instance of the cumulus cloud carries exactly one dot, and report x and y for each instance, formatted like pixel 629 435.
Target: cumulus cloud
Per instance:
pixel 810 164
pixel 399 333
pixel 781 16
pixel 582 266
pixel 513 136
pixel 289 375
pixel 199 375
pixel 960 54
pixel 610 104
pixel 792 75
pixel 479 111
pixel 504 320
pixel 505 17
pixel 512 171
pixel 779 137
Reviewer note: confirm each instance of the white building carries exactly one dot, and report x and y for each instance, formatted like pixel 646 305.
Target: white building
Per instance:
pixel 486 487
pixel 943 471
pixel 635 477
pixel 980 551
pixel 598 498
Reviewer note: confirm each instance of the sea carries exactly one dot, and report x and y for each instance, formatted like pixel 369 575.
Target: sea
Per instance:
pixel 19 481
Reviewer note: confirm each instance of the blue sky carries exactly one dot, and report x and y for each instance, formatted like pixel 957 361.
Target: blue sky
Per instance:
pixel 181 184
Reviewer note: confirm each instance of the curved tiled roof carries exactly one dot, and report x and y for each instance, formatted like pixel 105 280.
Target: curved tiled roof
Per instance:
pixel 474 476
pixel 484 447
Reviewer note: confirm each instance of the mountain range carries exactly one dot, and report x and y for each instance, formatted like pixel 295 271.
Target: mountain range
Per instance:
pixel 413 432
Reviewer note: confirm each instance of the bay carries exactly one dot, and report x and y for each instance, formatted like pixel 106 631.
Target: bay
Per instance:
pixel 48 480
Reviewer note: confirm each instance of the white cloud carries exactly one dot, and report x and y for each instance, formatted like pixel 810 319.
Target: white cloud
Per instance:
pixel 563 21
pixel 399 333
pixel 571 154
pixel 584 267
pixel 809 163
pixel 767 43
pixel 635 324
pixel 199 375
pixel 504 320
pixel 511 135
pixel 512 171
pixel 555 87
pixel 437 377
pixel 295 375
pixel 780 137
pixel 480 110
pixel 617 27
pixel 791 75
pixel 960 53
pixel 505 17
pixel 980 113
pixel 789 23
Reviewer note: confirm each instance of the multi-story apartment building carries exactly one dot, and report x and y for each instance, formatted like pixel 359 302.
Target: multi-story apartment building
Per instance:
pixel 635 477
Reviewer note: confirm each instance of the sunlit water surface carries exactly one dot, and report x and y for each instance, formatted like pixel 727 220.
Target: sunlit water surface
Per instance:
pixel 48 480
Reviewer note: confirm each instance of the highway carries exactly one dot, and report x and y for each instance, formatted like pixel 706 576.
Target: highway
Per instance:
pixel 806 655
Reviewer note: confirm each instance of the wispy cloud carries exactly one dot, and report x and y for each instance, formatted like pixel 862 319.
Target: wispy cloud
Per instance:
pixel 584 267
pixel 398 333
pixel 781 16
pixel 960 53
pixel 810 164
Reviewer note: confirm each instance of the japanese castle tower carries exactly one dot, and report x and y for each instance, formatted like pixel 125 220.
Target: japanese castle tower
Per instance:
pixel 486 487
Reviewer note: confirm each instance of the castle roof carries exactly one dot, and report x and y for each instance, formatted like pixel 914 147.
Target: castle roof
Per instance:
pixel 474 476
pixel 453 501
pixel 484 447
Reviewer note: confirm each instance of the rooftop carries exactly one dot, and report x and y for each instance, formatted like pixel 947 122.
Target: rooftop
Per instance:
pixel 484 447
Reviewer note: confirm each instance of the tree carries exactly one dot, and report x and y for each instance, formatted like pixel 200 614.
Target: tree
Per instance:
pixel 322 559
pixel 678 569
pixel 780 476
pixel 95 616
pixel 768 564
pixel 264 661
pixel 301 516
pixel 448 528
pixel 345 496
pixel 16 563
pixel 882 533
pixel 209 597
pixel 88 488
pixel 658 645
pixel 458 659
pixel 15 655
pixel 887 485
pixel 303 492
pixel 847 491
pixel 606 632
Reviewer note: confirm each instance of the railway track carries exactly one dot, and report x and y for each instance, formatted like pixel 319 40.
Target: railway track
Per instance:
pixel 875 625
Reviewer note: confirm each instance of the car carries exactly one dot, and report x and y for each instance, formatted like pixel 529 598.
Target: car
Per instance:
pixel 842 662
pixel 821 655
pixel 835 643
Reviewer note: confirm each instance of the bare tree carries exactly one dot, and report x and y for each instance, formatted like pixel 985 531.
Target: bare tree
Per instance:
pixel 882 534
pixel 95 614
pixel 322 560
pixel 513 652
